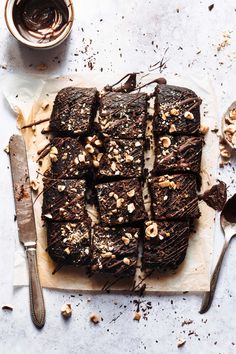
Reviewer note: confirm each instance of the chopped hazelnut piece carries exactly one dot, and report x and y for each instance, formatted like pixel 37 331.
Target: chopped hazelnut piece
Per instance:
pixel 95 318
pixel 61 188
pixel 151 230
pixel 204 129
pixel 126 240
pixel 131 208
pixel 96 164
pixel 89 148
pixel 106 255
pixel 165 140
pixel 48 216
pixel 66 310
pixel 119 202
pixel 131 193
pixel 126 261
pixel 67 250
pixel 172 128
pixel 225 153
pixel 54 150
pixel 34 184
pixel 167 183
pixel 188 115
pixel 174 112
pixel 137 316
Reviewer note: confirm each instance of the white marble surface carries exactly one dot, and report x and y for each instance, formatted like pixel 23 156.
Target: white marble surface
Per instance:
pixel 123 33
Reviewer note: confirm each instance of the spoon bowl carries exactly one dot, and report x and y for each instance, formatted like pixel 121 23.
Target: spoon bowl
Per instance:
pixel 228 224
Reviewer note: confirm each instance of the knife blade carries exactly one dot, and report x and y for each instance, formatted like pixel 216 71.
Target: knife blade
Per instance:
pixel 26 224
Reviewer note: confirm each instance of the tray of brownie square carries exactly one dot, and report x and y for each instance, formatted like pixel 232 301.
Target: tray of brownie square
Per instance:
pixel 118 179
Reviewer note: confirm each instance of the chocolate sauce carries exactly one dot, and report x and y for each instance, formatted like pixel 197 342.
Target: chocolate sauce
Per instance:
pixel 40 21
pixel 216 196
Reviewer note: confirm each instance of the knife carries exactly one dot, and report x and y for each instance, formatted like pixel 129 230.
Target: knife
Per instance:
pixel 26 224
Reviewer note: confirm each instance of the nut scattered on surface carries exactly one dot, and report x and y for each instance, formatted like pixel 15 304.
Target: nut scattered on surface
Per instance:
pixel 126 261
pixel 7 307
pixel 66 310
pixel 166 142
pixel 131 208
pixel 174 112
pixel 126 240
pixel 89 148
pixel 48 216
pixel 151 230
pixel 188 115
pixel 137 316
pixel 61 188
pixel 131 193
pixel 172 128
pixel 204 129
pixel 180 342
pixel 34 184
pixel 167 183
pixel 106 255
pixel 95 318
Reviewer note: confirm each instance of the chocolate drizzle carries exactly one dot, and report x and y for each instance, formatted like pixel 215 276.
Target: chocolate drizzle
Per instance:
pixel 40 21
pixel 216 196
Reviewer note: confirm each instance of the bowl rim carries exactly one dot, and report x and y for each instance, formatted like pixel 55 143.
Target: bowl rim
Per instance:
pixel 8 14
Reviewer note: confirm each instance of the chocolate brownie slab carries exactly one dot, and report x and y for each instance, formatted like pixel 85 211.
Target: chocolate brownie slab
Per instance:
pixel 174 197
pixel 177 111
pixel 74 110
pixel 64 200
pixel 123 115
pixel 165 244
pixel 178 153
pixel 121 157
pixel 69 242
pixel 120 202
pixel 68 158
pixel 114 250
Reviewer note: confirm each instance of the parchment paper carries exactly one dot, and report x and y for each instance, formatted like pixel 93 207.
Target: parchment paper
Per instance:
pixel 32 99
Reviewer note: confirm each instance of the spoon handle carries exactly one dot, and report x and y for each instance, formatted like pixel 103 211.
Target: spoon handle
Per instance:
pixel 208 295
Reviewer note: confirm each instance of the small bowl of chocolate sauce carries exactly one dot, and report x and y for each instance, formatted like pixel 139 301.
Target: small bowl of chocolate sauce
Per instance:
pixel 39 23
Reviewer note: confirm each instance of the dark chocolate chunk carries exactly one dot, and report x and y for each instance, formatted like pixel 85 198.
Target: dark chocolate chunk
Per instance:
pixel 64 200
pixel 178 153
pixel 120 202
pixel 69 242
pixel 74 110
pixel 216 196
pixel 123 115
pixel 165 244
pixel 114 250
pixel 122 158
pixel 174 197
pixel 176 111
pixel 69 159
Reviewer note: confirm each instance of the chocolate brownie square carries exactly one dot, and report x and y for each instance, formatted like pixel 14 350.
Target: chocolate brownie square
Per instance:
pixel 123 115
pixel 165 244
pixel 178 153
pixel 177 110
pixel 64 200
pixel 120 202
pixel 114 250
pixel 174 197
pixel 69 243
pixel 124 158
pixel 74 110
pixel 68 158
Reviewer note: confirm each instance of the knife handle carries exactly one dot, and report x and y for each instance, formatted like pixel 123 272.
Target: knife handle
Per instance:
pixel 37 306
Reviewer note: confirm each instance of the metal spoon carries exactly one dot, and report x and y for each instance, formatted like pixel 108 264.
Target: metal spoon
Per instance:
pixel 228 224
